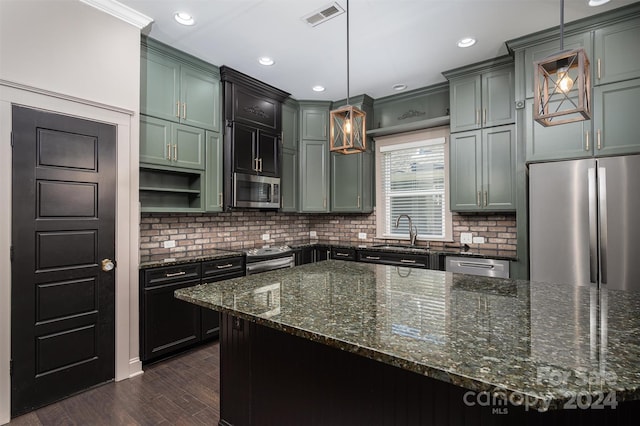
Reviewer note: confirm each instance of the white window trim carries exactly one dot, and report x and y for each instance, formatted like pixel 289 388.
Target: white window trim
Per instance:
pixel 382 144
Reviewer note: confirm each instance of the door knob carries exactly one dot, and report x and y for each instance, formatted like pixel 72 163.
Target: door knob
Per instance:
pixel 108 265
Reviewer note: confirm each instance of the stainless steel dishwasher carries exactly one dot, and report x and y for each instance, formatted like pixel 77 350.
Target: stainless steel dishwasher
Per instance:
pixel 478 266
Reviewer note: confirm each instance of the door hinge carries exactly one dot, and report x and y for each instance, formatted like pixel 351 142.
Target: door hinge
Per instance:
pixel 11 139
pixel 10 367
pixel 11 254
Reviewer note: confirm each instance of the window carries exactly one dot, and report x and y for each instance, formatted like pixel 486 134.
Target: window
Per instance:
pixel 412 177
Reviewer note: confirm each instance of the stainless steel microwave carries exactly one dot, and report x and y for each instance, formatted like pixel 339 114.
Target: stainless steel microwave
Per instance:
pixel 261 192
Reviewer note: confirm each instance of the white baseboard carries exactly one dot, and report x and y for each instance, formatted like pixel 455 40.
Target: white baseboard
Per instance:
pixel 135 367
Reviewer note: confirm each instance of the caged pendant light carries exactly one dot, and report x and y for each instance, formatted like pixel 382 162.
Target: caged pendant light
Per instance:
pixel 562 85
pixel 347 130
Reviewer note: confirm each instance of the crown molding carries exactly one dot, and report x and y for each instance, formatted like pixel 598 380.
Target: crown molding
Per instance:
pixel 120 11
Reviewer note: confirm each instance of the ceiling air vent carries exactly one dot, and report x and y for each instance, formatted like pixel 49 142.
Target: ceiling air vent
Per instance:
pixel 324 14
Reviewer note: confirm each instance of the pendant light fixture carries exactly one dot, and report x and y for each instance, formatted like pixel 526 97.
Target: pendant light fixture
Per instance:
pixel 562 85
pixel 347 129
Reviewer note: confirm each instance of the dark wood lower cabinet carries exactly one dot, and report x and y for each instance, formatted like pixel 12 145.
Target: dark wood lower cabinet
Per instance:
pixel 169 325
pixel 269 377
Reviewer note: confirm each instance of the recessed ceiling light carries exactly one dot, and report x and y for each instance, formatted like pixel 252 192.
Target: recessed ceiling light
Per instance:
pixel 266 61
pixel 184 18
pixel 598 2
pixel 466 42
pixel 399 87
pixel 318 88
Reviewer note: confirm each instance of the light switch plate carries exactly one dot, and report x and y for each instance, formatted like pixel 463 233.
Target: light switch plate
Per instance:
pixel 362 235
pixel 265 237
pixel 478 240
pixel 169 244
pixel 466 237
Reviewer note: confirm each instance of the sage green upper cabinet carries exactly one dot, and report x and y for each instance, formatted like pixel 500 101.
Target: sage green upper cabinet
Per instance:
pixel 351 182
pixel 482 95
pixel 466 103
pixel 176 90
pixel 571 140
pixel 314 176
pixel 315 123
pixel 542 50
pixel 482 170
pixel 313 172
pixel 616 115
pixel 171 144
pixel 213 172
pixel 200 97
pixel 290 157
pixel 617 54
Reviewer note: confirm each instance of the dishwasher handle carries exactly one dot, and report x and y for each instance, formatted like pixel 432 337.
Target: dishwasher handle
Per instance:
pixel 497 268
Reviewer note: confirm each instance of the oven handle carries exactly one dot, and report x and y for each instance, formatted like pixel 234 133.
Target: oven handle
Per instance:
pixel 271 264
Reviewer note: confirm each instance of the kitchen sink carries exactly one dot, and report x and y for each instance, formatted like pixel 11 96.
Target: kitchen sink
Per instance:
pixel 401 247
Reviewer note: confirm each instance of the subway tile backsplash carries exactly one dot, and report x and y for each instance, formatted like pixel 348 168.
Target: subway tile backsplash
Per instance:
pixel 243 229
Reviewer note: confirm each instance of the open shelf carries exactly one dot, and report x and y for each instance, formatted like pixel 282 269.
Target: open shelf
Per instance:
pixel 164 190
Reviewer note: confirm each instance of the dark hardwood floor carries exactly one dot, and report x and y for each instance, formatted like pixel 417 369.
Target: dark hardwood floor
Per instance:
pixel 183 390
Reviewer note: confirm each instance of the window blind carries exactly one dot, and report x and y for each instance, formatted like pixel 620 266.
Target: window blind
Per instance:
pixel 413 183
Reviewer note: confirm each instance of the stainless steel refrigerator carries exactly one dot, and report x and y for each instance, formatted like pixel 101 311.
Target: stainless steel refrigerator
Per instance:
pixel 584 222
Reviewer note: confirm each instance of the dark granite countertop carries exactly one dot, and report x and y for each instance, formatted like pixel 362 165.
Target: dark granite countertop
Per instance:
pixel 177 257
pixel 542 342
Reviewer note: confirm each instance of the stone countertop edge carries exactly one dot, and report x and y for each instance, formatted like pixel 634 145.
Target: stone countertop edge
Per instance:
pixel 442 375
pixel 463 367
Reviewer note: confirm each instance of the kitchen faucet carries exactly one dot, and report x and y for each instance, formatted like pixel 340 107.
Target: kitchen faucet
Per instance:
pixel 413 231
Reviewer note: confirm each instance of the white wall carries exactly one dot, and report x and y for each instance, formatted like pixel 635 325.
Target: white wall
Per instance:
pixel 68 57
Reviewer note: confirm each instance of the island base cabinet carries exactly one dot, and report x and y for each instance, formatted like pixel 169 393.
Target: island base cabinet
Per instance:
pixel 269 377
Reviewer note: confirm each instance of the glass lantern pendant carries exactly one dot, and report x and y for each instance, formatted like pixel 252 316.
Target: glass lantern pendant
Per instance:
pixel 562 88
pixel 347 130
pixel 562 85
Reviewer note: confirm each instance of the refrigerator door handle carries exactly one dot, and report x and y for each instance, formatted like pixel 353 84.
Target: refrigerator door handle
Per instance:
pixel 593 227
pixel 602 207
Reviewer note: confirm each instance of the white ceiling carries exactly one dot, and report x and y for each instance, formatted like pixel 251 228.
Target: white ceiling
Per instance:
pixel 391 41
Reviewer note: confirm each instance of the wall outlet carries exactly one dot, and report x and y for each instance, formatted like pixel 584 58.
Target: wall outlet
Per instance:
pixel 466 237
pixel 362 235
pixel 313 234
pixel 478 240
pixel 169 244
pixel 265 237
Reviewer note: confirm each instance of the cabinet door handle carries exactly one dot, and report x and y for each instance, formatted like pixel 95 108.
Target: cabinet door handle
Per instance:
pixel 178 109
pixel 184 110
pixel 407 261
pixel 324 202
pixel 175 274
pixel 228 265
pixel 586 138
pixel 255 164
pixel 484 117
pixel 169 151
pixel 599 70
pixel 324 130
pixel 485 198
pixel 220 199
pixel 477 116
pixel 373 257
pixel 478 199
pixel 175 152
pixel 599 141
pixel 358 201
pixel 260 165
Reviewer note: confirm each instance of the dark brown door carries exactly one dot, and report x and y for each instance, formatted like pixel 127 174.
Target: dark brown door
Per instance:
pixel 63 226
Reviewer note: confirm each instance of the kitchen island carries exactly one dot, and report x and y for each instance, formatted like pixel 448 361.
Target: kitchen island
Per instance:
pixel 339 342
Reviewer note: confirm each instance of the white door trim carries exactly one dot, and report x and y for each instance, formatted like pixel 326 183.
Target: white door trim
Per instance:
pixel 127 222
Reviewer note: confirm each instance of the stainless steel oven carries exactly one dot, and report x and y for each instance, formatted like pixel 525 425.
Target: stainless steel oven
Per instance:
pixel 268 259
pixel 256 191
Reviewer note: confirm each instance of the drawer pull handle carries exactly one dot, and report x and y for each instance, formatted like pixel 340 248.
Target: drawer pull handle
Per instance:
pixel 342 254
pixel 176 274
pixel 228 265
pixel 373 257
pixel 407 261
